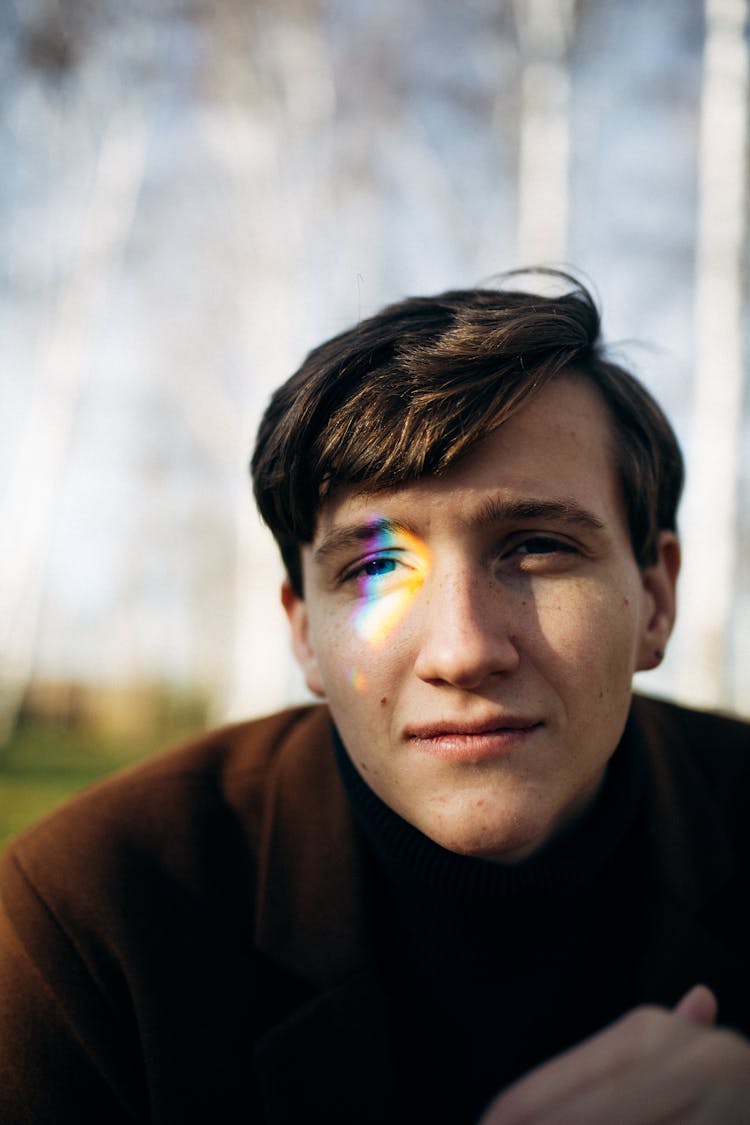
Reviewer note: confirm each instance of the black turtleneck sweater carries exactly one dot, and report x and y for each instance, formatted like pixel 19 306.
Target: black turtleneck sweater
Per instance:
pixel 492 968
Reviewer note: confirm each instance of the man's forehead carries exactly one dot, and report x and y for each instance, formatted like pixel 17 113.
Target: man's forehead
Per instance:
pixel 553 460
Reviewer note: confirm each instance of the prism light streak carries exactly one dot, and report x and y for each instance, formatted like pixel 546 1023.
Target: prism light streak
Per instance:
pixel 385 598
pixel 357 679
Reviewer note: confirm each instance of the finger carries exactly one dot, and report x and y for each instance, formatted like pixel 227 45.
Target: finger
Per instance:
pixel 699 1005
pixel 642 1034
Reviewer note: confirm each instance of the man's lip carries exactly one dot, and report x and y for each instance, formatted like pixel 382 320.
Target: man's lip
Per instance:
pixel 467 729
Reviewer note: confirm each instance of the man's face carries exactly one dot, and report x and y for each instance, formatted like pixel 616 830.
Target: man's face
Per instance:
pixel 475 634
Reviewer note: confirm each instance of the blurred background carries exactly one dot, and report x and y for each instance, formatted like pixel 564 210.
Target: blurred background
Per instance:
pixel 195 192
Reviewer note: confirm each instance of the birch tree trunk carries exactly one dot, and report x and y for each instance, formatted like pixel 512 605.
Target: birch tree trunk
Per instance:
pixel 710 532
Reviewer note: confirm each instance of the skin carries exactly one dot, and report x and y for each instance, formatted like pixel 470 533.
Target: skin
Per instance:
pixel 528 621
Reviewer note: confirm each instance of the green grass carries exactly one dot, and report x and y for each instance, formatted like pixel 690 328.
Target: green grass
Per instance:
pixel 25 799
pixel 43 764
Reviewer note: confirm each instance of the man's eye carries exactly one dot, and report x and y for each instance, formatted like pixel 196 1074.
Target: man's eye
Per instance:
pixel 375 568
pixel 542 545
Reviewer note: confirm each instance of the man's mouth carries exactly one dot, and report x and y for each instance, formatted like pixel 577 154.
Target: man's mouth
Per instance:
pixel 494 737
pixel 471 727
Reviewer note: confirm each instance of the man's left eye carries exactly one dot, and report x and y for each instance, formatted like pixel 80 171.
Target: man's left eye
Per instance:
pixel 542 545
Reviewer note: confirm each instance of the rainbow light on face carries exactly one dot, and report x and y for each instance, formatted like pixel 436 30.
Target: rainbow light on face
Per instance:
pixel 384 600
pixel 357 679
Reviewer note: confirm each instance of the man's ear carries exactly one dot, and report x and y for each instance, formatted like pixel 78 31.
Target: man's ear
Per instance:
pixel 660 586
pixel 302 647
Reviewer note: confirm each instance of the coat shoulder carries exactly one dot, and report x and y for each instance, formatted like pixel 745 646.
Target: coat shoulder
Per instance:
pixel 195 806
pixel 728 735
pixel 714 748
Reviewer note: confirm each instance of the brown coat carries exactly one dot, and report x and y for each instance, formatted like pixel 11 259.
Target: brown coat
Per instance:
pixel 190 942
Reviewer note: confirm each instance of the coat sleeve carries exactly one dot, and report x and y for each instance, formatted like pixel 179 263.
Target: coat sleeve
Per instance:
pixel 62 1055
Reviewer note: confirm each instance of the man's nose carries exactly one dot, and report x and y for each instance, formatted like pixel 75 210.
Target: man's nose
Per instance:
pixel 467 633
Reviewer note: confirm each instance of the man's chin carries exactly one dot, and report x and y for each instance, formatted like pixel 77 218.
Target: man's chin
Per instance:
pixel 496 844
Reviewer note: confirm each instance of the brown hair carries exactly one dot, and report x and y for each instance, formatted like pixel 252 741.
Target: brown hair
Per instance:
pixel 405 393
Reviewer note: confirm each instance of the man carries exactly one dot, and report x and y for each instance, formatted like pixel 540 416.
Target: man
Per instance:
pixel 482 870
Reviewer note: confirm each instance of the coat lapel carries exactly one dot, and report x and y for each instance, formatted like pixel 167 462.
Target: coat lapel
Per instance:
pixel 688 864
pixel 327 1057
pixel 328 1061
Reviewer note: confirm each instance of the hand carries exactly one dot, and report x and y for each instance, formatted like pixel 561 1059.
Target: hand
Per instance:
pixel 652 1066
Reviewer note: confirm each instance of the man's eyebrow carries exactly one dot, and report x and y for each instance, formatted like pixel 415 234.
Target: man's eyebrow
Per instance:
pixel 560 510
pixel 341 539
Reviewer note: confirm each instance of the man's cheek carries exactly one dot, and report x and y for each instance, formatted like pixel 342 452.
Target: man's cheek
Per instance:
pixel 346 671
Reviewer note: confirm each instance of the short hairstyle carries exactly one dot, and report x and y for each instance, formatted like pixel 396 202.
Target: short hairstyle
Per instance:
pixel 405 393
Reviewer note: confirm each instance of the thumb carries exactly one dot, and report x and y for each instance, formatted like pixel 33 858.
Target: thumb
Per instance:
pixel 698 1005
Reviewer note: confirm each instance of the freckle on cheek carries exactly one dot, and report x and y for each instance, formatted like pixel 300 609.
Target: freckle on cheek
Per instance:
pixel 383 701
